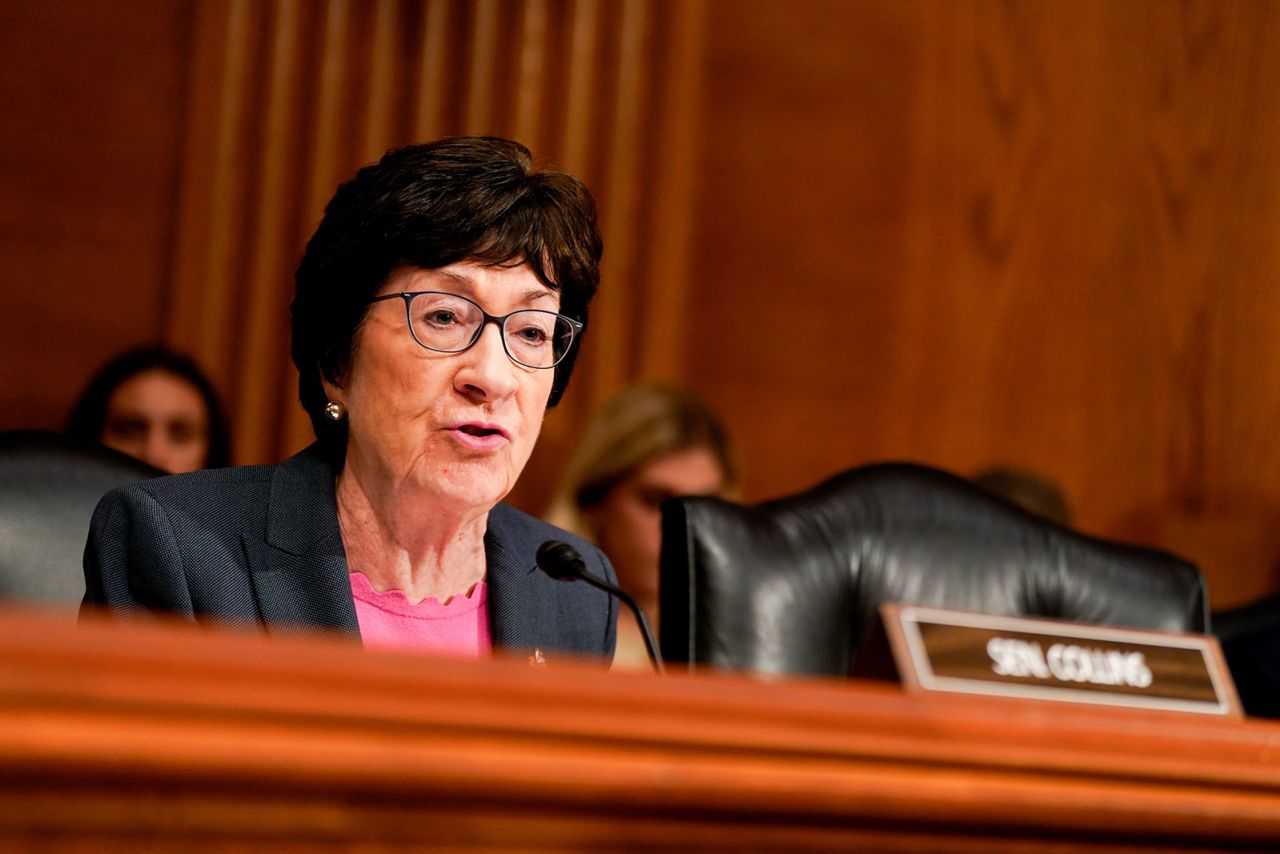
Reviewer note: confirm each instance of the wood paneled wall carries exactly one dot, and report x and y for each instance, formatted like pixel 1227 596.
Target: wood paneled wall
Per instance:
pixel 91 99
pixel 1042 234
pixel 1039 233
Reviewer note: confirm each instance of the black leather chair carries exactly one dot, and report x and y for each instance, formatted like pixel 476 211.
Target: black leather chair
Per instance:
pixel 48 489
pixel 1250 638
pixel 793 585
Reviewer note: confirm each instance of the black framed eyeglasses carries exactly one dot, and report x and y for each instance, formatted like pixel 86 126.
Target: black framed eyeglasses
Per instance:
pixel 448 323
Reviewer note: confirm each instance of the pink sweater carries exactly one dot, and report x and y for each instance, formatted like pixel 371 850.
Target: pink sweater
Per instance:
pixel 390 621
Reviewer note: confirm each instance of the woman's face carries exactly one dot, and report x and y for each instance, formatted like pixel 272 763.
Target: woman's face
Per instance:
pixel 159 418
pixel 628 524
pixel 458 427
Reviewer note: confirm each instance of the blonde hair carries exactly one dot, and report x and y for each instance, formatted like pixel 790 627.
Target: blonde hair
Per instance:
pixel 638 425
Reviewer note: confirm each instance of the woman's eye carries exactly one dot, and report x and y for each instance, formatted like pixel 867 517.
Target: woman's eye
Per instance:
pixel 532 335
pixel 652 499
pixel 124 428
pixel 441 317
pixel 182 432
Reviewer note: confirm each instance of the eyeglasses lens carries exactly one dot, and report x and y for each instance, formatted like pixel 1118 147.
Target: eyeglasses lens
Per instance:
pixel 450 324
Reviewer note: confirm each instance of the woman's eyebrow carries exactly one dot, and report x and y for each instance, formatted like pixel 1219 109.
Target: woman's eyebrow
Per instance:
pixel 456 278
pixel 534 294
pixel 466 285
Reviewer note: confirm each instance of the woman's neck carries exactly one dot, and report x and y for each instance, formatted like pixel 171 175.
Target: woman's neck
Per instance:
pixel 402 541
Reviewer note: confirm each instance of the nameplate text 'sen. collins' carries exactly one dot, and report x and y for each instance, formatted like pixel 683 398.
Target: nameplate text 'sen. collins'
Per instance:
pixel 934 649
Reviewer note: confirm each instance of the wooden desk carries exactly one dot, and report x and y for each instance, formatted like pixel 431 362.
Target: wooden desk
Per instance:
pixel 150 738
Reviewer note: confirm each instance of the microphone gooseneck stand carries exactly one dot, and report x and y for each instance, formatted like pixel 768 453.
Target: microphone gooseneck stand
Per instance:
pixel 562 562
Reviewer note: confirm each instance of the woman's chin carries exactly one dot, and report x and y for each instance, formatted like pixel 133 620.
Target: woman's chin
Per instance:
pixel 470 488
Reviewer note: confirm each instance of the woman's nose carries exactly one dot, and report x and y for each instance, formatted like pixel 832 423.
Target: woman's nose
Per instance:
pixel 157 448
pixel 486 372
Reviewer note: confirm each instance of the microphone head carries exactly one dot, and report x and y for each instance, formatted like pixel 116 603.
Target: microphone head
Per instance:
pixel 560 560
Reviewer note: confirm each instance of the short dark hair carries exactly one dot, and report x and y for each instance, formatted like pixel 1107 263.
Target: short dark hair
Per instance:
pixel 464 198
pixel 89 415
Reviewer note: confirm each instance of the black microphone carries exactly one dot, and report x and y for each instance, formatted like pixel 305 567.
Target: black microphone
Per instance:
pixel 562 562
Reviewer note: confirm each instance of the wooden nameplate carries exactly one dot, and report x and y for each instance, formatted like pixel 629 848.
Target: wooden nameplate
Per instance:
pixel 932 649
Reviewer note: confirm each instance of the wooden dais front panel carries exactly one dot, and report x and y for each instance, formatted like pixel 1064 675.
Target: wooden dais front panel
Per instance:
pixel 151 737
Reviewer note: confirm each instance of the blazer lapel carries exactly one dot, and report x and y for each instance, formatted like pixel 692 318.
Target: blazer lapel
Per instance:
pixel 300 572
pixel 299 569
pixel 522 599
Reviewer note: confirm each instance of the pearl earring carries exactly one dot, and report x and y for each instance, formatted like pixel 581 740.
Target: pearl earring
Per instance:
pixel 334 411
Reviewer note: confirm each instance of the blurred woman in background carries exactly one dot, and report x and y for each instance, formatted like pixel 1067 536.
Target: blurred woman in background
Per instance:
pixel 156 405
pixel 646 445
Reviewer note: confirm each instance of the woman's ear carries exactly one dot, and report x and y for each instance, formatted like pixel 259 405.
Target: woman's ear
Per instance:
pixel 333 391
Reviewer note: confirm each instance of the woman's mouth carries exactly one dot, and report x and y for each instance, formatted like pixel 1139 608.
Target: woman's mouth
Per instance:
pixel 479 436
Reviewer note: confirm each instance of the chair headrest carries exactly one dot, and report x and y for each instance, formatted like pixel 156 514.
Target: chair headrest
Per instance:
pixel 49 487
pixel 792 585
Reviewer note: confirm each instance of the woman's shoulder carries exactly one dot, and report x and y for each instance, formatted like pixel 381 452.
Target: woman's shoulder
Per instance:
pixel 303 472
pixel 207 494
pixel 175 485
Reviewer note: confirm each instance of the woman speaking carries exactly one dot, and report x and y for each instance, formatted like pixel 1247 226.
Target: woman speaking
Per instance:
pixel 435 318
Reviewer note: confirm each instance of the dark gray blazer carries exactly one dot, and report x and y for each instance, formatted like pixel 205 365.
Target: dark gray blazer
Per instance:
pixel 260 546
